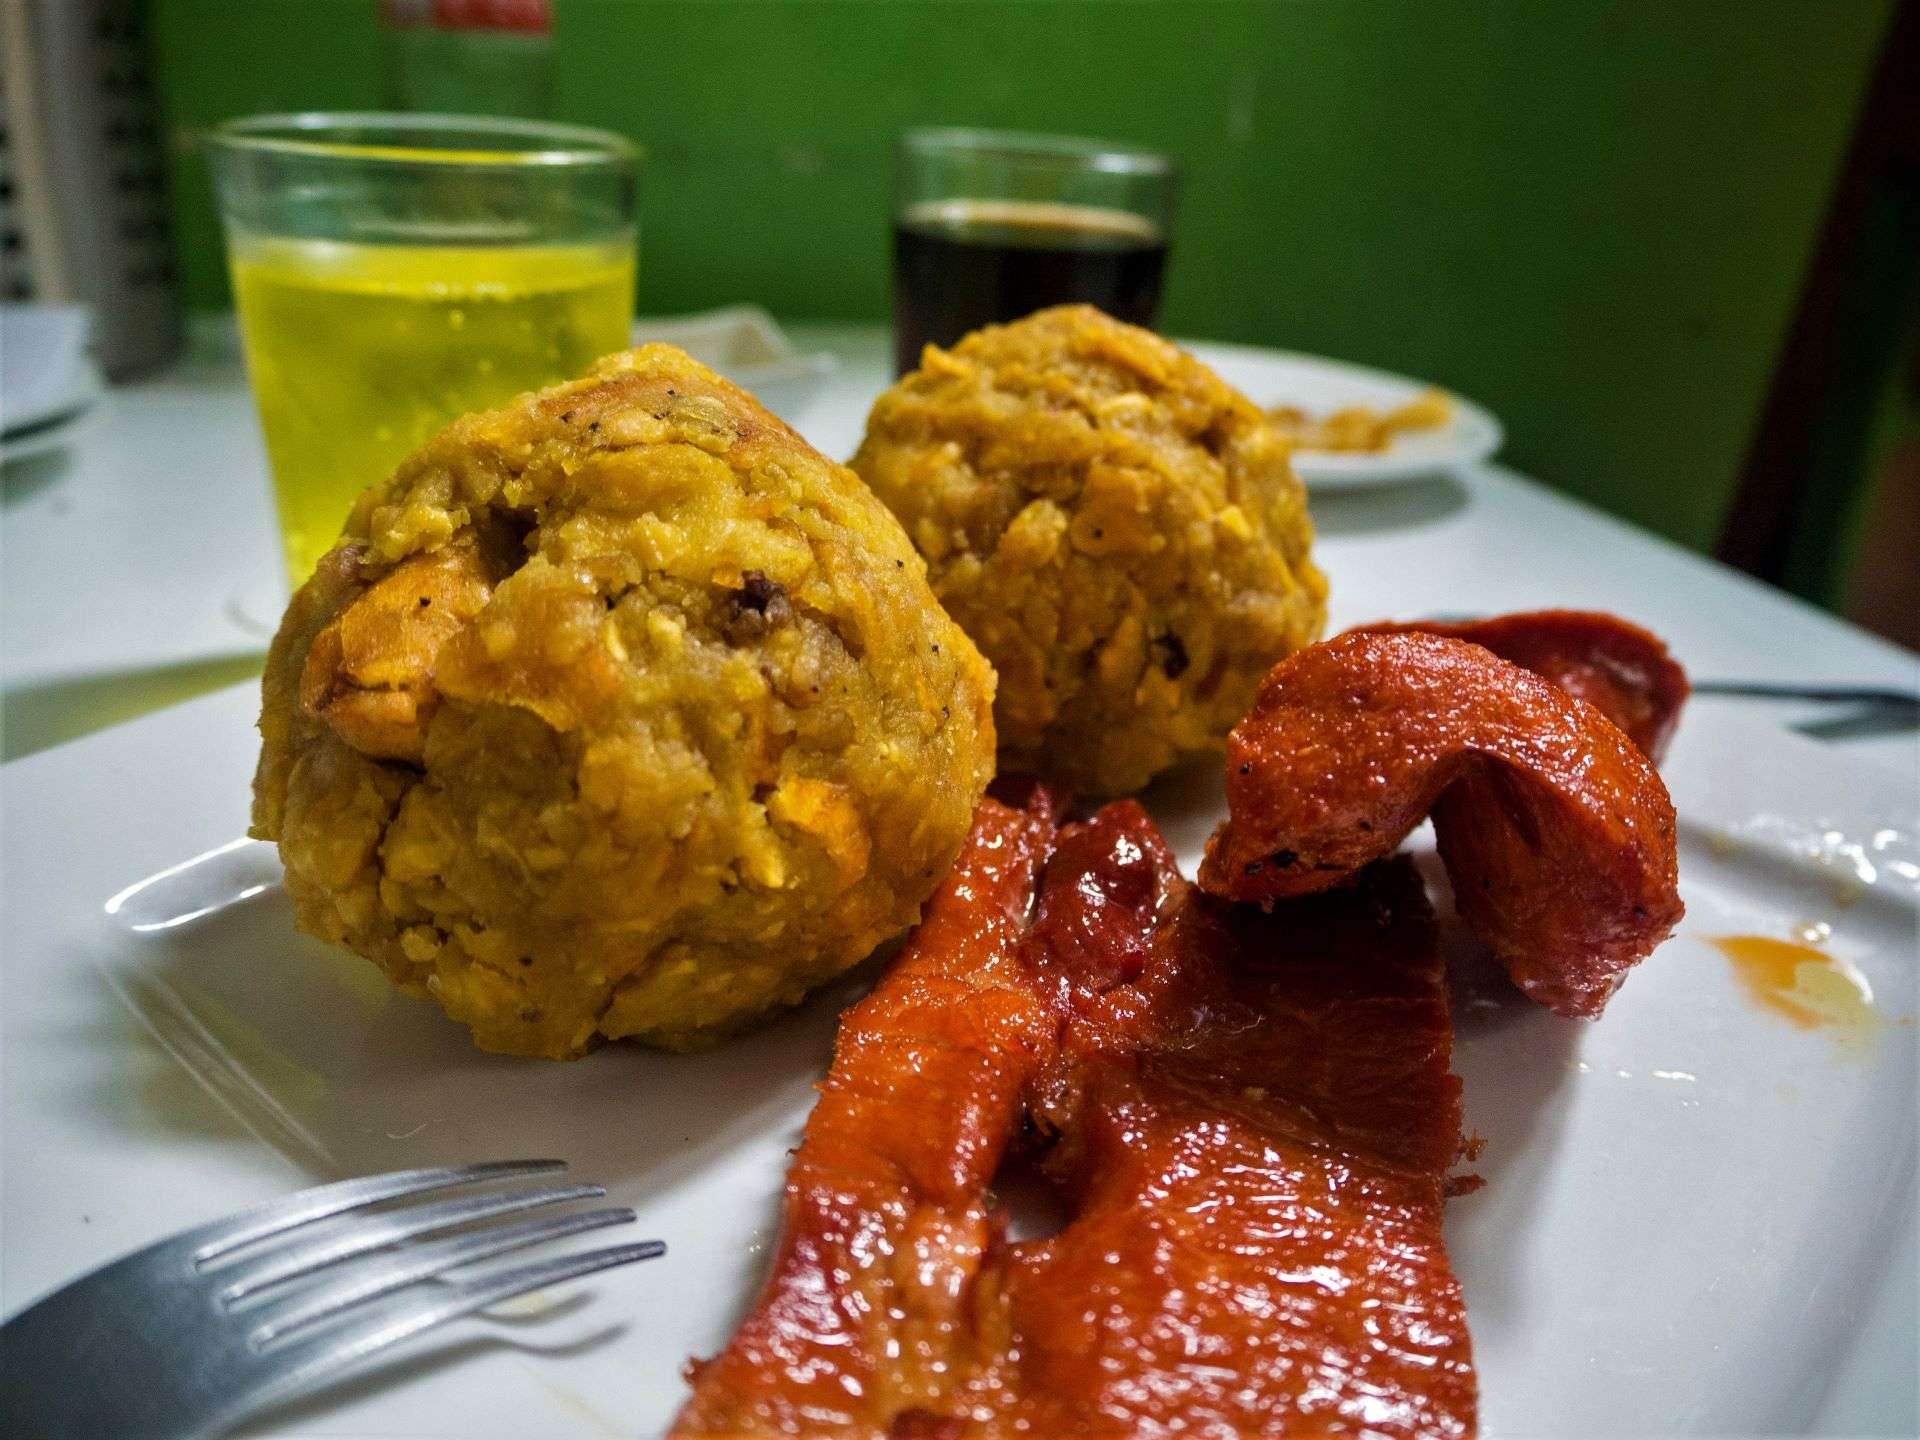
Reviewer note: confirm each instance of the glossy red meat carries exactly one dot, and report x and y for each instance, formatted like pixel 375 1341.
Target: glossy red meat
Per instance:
pixel 1249 1117
pixel 1623 671
pixel 886 1214
pixel 1556 831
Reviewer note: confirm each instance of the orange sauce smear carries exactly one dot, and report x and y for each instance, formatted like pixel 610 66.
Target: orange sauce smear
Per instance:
pixel 1803 984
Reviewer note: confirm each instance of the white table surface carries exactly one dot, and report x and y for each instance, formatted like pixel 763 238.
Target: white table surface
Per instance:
pixel 138 563
pixel 131 555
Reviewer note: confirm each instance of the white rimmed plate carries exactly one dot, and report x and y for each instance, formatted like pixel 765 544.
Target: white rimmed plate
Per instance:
pixel 47 375
pixel 1692 1207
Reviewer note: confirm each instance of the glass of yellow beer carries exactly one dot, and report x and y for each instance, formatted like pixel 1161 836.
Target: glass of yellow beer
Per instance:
pixel 393 272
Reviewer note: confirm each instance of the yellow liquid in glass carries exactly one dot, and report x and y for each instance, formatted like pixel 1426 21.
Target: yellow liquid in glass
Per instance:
pixel 358 353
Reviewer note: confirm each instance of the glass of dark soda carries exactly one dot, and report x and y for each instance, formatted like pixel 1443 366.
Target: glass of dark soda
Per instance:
pixel 991 225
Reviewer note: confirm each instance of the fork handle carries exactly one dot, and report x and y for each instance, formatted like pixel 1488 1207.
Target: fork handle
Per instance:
pixel 1837 694
pixel 78 1364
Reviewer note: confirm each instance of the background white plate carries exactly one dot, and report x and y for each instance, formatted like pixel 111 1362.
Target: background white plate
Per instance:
pixel 1692 1208
pixel 1318 385
pixel 745 344
pixel 46 373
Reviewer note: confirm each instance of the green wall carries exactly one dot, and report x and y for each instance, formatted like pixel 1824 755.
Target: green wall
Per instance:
pixel 1591 216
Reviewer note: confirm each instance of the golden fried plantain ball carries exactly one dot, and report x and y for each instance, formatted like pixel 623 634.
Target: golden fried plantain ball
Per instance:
pixel 1119 531
pixel 619 711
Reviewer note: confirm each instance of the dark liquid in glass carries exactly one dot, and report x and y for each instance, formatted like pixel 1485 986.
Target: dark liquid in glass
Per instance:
pixel 961 264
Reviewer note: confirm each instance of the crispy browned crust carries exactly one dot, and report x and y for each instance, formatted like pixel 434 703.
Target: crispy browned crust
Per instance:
pixel 1623 671
pixel 1557 832
pixel 1118 529
pixel 619 711
pixel 370 671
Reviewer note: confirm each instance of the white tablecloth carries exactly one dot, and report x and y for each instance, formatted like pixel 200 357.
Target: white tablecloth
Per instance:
pixel 138 563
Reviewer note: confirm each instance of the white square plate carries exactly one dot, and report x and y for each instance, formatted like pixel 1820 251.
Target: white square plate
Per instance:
pixel 1694 1210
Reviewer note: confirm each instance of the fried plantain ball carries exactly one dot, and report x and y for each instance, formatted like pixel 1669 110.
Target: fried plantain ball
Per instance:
pixel 1120 532
pixel 618 711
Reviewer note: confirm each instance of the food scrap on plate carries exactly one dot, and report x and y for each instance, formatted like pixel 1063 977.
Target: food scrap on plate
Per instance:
pixel 1361 429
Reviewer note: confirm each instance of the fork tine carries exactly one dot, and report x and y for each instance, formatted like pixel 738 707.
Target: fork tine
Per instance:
pixel 300 1364
pixel 375 1232
pixel 305 1206
pixel 394 1272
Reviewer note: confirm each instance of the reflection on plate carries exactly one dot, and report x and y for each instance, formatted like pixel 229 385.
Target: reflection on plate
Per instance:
pixel 1319 386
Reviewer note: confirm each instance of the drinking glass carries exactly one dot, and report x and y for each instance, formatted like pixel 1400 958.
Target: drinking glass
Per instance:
pixel 393 272
pixel 991 225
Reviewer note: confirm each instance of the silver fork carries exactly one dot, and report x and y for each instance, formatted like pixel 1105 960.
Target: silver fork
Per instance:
pixel 188 1336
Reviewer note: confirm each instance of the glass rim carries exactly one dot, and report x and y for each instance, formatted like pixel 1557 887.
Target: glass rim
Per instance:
pixel 1033 146
pixel 310 134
